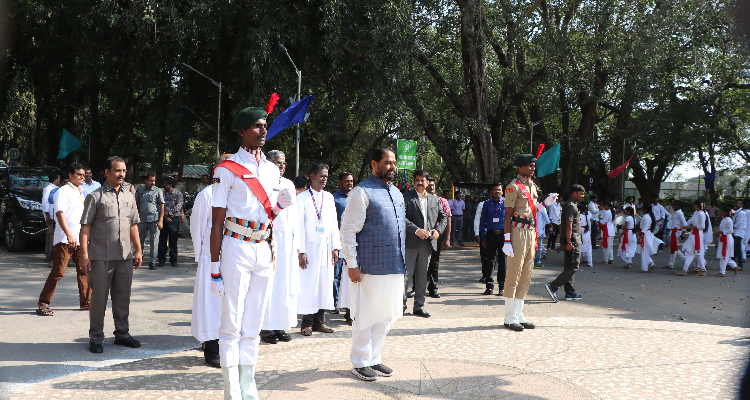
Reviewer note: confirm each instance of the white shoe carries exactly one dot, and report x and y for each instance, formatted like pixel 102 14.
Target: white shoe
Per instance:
pixel 510 311
pixel 232 389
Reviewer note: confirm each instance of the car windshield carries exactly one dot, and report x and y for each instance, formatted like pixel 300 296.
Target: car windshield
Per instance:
pixel 28 180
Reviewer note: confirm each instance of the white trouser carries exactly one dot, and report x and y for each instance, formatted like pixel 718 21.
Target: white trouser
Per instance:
pixel 628 260
pixel 744 250
pixel 367 344
pixel 645 260
pixel 673 257
pixel 586 256
pixel 247 271
pixel 698 257
pixel 609 254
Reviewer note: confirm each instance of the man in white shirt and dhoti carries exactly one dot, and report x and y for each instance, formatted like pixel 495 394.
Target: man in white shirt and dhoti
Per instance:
pixel 281 311
pixel 319 251
pixel 373 238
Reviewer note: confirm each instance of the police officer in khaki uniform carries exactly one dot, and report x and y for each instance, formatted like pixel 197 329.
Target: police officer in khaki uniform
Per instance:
pixel 520 239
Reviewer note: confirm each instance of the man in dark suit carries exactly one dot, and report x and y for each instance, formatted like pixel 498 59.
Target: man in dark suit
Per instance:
pixel 425 221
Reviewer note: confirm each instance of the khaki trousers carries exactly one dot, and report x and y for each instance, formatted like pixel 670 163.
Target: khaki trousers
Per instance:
pixel 518 275
pixel 105 278
pixel 63 253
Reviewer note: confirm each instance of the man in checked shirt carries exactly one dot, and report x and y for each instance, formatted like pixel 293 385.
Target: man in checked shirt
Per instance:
pixel 173 216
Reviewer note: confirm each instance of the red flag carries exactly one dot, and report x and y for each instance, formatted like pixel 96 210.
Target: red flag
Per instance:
pixel 618 170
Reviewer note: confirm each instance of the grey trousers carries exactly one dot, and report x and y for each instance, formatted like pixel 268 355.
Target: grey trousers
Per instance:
pixel 153 238
pixel 417 261
pixel 105 277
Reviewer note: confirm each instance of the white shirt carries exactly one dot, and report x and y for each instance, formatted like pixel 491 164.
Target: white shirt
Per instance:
pixel 594 210
pixel 747 225
pixel 69 200
pixel 312 229
pixel 646 223
pixel 477 217
pixel 555 210
pixel 352 222
pixel 232 193
pixel 659 211
pixel 423 207
pixel 45 199
pixel 726 226
pixel 678 220
pixel 90 188
pixel 542 220
pixel 200 223
pixel 739 221
pixel 698 220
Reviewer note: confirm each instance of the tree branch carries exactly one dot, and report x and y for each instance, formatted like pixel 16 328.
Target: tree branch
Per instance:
pixel 452 96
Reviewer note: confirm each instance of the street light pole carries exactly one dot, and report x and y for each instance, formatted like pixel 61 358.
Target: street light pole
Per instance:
pixel 218 122
pixel 299 96
pixel 531 130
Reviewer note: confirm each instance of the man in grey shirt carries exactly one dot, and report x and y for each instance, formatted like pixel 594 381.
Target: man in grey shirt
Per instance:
pixel 150 201
pixel 571 241
pixel 108 227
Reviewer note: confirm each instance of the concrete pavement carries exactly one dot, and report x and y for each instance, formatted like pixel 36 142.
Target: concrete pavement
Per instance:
pixel 633 336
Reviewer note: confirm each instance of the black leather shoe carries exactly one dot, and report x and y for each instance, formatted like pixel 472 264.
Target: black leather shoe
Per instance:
pixel 214 362
pixel 270 339
pixel 434 294
pixel 151 266
pixel 174 265
pixel 283 336
pixel 129 342
pixel 487 292
pixel 410 294
pixel 500 293
pixel 514 327
pixel 96 348
pixel 161 264
pixel 481 280
pixel 528 325
pixel 421 313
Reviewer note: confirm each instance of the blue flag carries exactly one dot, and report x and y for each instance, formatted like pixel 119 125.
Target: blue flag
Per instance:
pixel 710 177
pixel 548 162
pixel 68 144
pixel 292 115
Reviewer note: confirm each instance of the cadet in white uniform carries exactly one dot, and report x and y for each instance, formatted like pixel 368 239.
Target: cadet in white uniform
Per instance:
pixel 319 251
pixel 281 312
pixel 241 235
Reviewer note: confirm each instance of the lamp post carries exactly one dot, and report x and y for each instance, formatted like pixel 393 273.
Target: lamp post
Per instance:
pixel 299 96
pixel 531 130
pixel 218 117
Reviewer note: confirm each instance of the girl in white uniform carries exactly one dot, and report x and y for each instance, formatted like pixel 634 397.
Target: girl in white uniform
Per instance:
pixel 648 244
pixel 586 250
pixel 678 221
pixel 725 247
pixel 693 247
pixel 627 240
pixel 607 229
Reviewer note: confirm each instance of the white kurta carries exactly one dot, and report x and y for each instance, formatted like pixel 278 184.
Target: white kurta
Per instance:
pixel 691 253
pixel 726 229
pixel 318 239
pixel 206 318
pixel 650 243
pixel 627 251
pixel 281 312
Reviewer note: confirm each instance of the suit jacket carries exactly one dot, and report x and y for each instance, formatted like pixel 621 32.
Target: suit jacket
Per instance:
pixel 436 218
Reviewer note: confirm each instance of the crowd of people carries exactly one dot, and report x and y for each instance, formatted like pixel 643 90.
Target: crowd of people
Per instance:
pixel 270 249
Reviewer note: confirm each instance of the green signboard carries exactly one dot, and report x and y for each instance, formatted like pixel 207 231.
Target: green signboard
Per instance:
pixel 406 155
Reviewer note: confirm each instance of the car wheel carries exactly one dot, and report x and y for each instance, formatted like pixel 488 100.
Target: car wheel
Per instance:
pixel 13 240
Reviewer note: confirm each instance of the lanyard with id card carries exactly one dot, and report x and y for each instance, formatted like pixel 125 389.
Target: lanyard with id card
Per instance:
pixel 497 206
pixel 320 228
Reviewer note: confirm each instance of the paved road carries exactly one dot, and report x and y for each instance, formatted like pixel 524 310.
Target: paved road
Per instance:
pixel 633 336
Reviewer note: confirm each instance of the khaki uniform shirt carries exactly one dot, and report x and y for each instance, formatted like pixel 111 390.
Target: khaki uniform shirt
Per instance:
pixel 110 214
pixel 515 198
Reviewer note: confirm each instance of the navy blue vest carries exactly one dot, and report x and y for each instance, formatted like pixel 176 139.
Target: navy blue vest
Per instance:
pixel 381 242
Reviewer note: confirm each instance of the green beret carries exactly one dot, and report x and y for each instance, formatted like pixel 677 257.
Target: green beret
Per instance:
pixel 525 159
pixel 248 117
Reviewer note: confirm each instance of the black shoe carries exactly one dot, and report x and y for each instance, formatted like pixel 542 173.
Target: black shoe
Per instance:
pixel 270 339
pixel 500 293
pixel 96 348
pixel 349 321
pixel 366 373
pixel 151 266
pixel 214 362
pixel 335 310
pixel 434 294
pixel 514 327
pixel 481 280
pixel 552 291
pixel 528 325
pixel 174 264
pixel 129 342
pixel 410 294
pixel 487 292
pixel 382 370
pixel 421 313
pixel 283 336
pixel 161 264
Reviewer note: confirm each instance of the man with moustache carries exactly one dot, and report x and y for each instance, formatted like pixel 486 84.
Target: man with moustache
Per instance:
pixel 373 233
pixel 443 242
pixel 244 205
pixel 150 202
pixel 346 184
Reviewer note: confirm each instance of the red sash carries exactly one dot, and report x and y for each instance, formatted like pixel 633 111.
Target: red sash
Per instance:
pixel 723 240
pixel 673 241
pixel 643 235
pixel 605 235
pixel 697 234
pixel 532 206
pixel 625 236
pixel 252 182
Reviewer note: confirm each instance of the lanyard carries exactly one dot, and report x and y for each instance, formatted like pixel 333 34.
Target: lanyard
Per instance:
pixel 496 207
pixel 315 204
pixel 77 191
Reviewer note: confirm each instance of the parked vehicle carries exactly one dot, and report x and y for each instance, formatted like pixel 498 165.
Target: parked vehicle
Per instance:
pixel 20 204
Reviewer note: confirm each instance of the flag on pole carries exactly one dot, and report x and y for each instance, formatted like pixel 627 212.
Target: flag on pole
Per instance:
pixel 292 115
pixel 548 162
pixel 68 144
pixel 618 170
pixel 710 177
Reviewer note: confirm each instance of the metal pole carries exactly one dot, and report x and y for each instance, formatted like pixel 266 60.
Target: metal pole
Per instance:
pixel 623 172
pixel 218 126
pixel 299 97
pixel 531 139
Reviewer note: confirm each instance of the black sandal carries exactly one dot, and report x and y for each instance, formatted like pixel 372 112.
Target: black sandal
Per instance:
pixel 44 311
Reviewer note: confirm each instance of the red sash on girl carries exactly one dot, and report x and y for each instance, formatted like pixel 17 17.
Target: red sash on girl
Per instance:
pixel 532 206
pixel 625 238
pixel 641 241
pixel 673 241
pixel 697 234
pixel 605 235
pixel 723 240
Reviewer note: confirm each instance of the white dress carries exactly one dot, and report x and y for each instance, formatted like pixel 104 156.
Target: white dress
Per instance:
pixel 586 248
pixel 206 318
pixel 626 251
pixel 318 238
pixel 696 237
pixel 650 243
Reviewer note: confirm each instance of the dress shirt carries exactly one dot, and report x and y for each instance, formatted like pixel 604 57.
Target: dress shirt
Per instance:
pixel 339 198
pixel 659 211
pixel 542 220
pixel 594 210
pixel 45 199
pixel 110 213
pixel 457 208
pixel 149 201
pixel 493 217
pixel 477 217
pixel 555 212
pixel 90 188
pixel 739 222
pixel 356 214
pixel 423 207
pixel 747 225
pixel 444 204
pixel 69 199
pixel 173 204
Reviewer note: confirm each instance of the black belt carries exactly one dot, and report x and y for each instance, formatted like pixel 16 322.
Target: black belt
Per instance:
pixel 522 220
pixel 496 232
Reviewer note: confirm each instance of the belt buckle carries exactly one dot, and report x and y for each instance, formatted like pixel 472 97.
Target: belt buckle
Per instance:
pixel 255 235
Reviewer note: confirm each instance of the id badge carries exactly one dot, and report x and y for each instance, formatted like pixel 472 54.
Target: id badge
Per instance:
pixel 320 229
pixel 495 219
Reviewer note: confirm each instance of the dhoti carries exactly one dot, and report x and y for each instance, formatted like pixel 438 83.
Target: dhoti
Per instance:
pixel 376 302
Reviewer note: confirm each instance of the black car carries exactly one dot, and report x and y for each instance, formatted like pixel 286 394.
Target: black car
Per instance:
pixel 21 204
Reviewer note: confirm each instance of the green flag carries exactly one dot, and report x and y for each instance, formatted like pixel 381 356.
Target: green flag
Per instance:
pixel 548 162
pixel 68 144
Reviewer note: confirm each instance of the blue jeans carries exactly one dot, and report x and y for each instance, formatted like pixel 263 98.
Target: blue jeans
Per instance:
pixel 538 257
pixel 336 280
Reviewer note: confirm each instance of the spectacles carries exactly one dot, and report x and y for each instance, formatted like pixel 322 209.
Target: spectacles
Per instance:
pixel 76 173
pixel 279 162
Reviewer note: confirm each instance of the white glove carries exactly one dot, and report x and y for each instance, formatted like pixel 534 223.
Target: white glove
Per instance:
pixel 217 283
pixel 507 247
pixel 284 198
pixel 551 198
